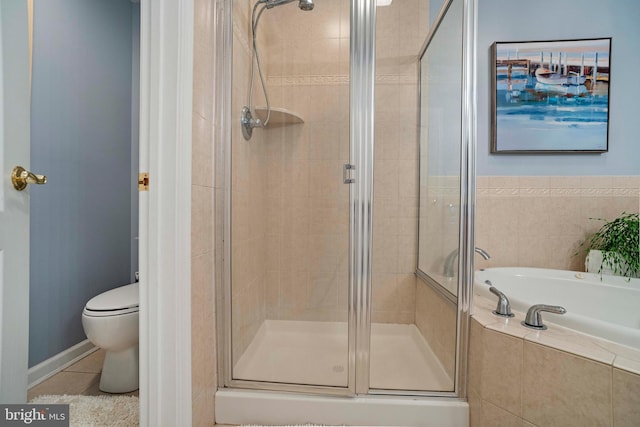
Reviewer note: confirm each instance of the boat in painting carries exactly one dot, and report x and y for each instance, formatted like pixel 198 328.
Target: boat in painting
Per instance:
pixel 548 77
pixel 569 90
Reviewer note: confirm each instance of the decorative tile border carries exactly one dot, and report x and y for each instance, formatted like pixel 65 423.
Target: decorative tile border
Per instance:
pixel 586 186
pixel 326 80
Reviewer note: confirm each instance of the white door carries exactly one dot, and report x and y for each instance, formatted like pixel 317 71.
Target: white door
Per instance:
pixel 14 205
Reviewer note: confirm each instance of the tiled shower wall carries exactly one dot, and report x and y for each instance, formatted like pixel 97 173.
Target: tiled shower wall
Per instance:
pixel 306 57
pixel 203 350
pixel 248 198
pixel 541 221
pixel 401 29
pixel 306 61
pixel 436 319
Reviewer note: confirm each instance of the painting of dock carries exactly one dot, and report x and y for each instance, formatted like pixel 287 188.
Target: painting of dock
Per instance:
pixel 551 96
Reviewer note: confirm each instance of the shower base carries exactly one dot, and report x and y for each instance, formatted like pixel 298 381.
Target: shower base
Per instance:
pixel 316 353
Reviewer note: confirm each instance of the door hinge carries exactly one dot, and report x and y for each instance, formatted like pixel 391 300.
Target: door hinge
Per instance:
pixel 143 181
pixel 346 175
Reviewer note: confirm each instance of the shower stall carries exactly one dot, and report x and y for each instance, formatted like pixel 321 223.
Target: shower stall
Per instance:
pixel 347 186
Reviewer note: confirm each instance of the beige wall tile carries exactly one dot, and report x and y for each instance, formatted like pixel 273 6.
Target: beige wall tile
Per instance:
pixel 436 320
pixel 504 182
pixel 203 59
pixel 306 215
pixel 476 354
pixel 202 152
pixel 201 220
pixel 626 399
pixel 598 182
pixel 538 182
pixel 475 409
pixel 564 182
pixel 572 391
pixel 502 371
pixel 203 351
pixel 383 292
pixel 202 411
pixel 202 322
pixel 494 416
pixel 541 221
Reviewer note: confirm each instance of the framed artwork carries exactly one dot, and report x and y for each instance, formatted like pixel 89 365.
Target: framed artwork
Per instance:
pixel 551 96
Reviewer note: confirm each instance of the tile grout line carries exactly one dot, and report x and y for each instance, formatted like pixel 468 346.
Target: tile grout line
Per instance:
pixel 611 391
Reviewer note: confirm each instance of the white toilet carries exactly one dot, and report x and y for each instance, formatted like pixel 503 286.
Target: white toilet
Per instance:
pixel 110 321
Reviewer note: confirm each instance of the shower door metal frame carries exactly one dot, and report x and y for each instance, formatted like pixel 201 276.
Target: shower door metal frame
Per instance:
pixel 361 140
pixel 362 90
pixel 467 200
pixel 360 201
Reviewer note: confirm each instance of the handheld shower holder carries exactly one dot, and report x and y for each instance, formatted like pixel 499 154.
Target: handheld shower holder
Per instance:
pixel 248 123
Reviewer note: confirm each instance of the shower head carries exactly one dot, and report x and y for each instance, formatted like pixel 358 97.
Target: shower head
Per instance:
pixel 306 5
pixel 302 4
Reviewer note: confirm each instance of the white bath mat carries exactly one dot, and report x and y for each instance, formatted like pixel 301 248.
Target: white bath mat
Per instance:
pixel 97 411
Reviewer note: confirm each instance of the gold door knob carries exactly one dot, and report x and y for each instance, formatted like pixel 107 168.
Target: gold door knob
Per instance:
pixel 20 177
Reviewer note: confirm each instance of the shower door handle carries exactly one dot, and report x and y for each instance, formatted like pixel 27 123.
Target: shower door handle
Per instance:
pixel 345 171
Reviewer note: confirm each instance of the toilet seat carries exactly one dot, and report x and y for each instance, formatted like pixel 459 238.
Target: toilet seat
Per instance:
pixel 107 313
pixel 116 302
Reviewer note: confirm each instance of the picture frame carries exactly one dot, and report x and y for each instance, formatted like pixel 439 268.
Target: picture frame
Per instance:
pixel 550 96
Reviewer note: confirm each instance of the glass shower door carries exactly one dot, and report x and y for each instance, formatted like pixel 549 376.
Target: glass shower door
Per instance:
pixel 416 195
pixel 325 291
pixel 289 216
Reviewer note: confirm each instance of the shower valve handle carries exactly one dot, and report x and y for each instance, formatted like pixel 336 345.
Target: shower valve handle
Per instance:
pixel 504 308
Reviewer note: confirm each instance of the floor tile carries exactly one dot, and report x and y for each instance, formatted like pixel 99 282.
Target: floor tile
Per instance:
pixel 90 364
pixel 64 383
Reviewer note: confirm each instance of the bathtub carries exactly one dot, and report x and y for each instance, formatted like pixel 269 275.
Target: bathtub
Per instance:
pixel 607 308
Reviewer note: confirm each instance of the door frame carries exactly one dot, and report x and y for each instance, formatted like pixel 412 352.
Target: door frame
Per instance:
pixel 166 82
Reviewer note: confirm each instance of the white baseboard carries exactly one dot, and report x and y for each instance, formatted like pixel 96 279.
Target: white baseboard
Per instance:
pixel 60 361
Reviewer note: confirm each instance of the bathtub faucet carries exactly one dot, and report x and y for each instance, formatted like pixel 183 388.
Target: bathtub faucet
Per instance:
pixel 534 316
pixel 450 260
pixel 503 308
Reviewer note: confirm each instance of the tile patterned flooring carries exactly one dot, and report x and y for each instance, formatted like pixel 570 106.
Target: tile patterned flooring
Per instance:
pixel 83 377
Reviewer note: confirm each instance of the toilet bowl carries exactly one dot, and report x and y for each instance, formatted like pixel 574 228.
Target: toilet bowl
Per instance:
pixel 110 321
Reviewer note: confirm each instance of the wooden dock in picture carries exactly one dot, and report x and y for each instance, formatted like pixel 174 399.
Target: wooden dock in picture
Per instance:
pixel 519 63
pixel 510 64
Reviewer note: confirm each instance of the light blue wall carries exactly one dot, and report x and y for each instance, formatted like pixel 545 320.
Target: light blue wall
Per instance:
pixel 81 128
pixel 441 73
pixel 434 9
pixel 508 20
pixel 135 131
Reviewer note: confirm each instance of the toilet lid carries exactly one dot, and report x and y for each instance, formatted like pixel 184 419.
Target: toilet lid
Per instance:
pixel 115 299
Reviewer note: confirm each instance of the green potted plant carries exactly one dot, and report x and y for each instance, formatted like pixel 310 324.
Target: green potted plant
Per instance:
pixel 615 248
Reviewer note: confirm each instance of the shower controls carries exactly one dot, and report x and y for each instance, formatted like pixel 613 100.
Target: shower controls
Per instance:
pixel 247 122
pixel 346 175
pixel 504 308
pixel 534 318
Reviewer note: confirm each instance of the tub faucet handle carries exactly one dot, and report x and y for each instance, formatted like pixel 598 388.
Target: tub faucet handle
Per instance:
pixel 534 318
pixel 503 308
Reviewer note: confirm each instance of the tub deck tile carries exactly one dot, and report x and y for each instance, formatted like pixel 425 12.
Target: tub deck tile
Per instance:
pixel 572 342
